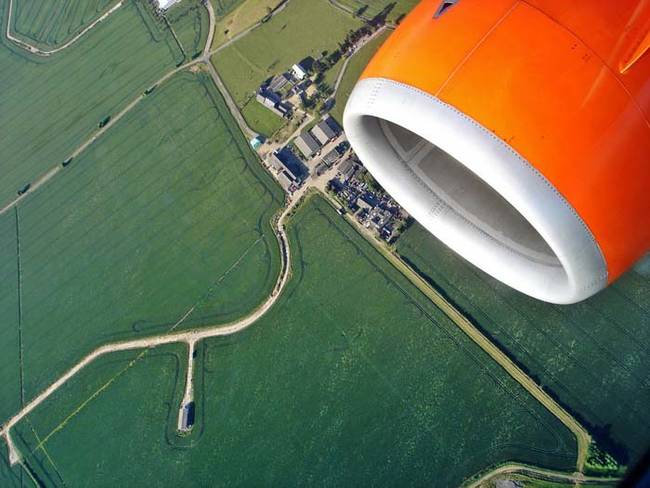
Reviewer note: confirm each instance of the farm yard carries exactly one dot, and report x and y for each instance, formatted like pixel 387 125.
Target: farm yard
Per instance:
pixel 49 106
pixel 341 395
pixel 50 23
pixel 169 210
pixel 304 28
pixel 592 356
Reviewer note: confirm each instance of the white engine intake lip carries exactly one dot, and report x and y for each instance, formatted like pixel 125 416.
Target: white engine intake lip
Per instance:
pixel 577 270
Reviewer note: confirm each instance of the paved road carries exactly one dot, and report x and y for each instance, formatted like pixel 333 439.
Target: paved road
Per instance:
pixel 35 50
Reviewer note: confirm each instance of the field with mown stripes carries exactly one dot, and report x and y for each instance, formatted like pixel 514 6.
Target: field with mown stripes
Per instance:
pixel 594 357
pixel 170 210
pixel 353 378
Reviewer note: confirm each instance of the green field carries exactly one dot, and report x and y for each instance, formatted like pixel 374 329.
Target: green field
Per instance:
pixel 224 7
pixel 9 318
pixel 357 64
pixel 370 8
pixel 304 28
pixel 593 356
pixel 352 379
pixel 168 210
pixel 50 106
pixel 261 118
pixel 191 23
pixel 50 23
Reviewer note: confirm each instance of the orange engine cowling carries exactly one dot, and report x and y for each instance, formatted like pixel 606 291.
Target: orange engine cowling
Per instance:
pixel 518 133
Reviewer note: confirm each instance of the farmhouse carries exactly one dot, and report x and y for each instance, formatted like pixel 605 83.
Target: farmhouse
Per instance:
pixel 306 144
pixel 299 71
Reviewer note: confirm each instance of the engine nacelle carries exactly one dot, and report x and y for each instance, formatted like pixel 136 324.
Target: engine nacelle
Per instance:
pixel 518 133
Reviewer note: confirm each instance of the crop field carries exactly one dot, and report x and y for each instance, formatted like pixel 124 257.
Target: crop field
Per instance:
pixel 50 23
pixel 261 118
pixel 283 41
pixel 191 23
pixel 355 67
pixel 9 318
pixel 138 392
pixel 224 7
pixel 169 210
pixel 593 356
pixel 243 15
pixel 370 8
pixel 49 106
pixel 353 378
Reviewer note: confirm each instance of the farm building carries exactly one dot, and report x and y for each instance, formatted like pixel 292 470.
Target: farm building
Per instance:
pixel 285 180
pixel 306 144
pixel 165 4
pixel 299 71
pixel 323 133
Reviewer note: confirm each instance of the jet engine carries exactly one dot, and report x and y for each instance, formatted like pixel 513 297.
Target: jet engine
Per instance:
pixel 518 133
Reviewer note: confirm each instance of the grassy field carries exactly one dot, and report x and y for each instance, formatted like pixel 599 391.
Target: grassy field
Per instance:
pixel 352 379
pixel 170 209
pixel 355 67
pixel 245 14
pixel 370 8
pixel 191 23
pixel 284 40
pixel 9 318
pixel 50 106
pixel 594 356
pixel 261 118
pixel 135 393
pixel 50 23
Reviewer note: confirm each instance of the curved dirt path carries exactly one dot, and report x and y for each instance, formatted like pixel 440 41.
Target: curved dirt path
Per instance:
pixel 40 52
pixel 190 336
pixel 540 474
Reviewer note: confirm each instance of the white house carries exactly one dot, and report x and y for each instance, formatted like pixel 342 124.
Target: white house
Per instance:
pixel 298 71
pixel 165 4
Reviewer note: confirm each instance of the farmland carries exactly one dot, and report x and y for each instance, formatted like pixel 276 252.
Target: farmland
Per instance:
pixel 593 356
pixel 260 117
pixel 355 67
pixel 190 22
pixel 304 28
pixel 169 210
pixel 49 23
pixel 238 19
pixel 373 390
pixel 370 8
pixel 9 318
pixel 49 106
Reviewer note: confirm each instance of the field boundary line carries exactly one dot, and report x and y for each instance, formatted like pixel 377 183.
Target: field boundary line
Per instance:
pixel 20 311
pixel 583 438
pixel 39 52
